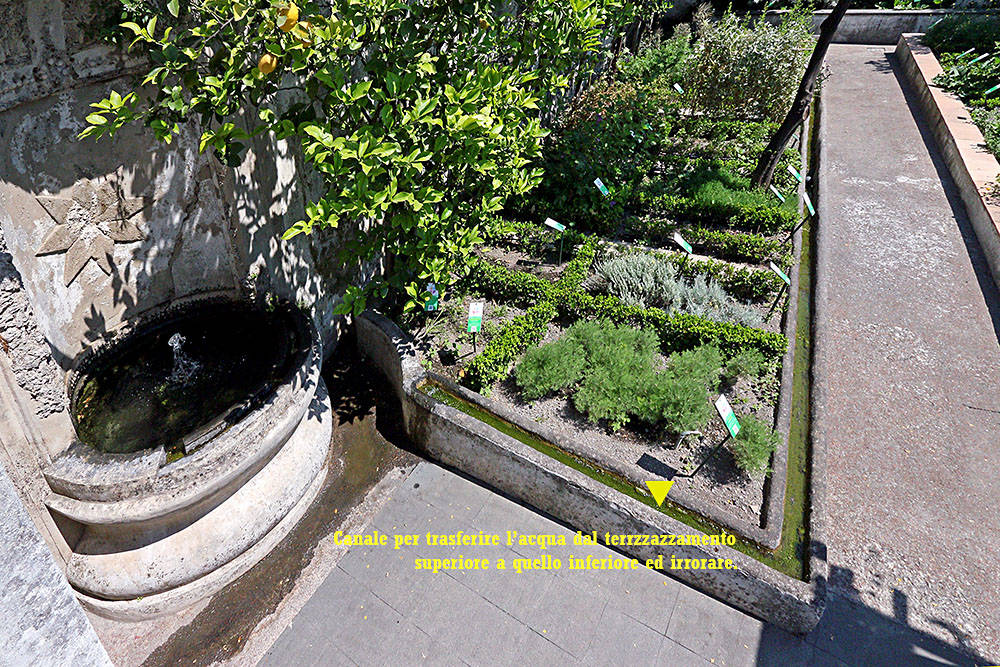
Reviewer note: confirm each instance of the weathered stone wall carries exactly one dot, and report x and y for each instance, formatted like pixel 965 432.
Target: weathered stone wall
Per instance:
pixel 100 231
pixel 23 343
pixel 94 233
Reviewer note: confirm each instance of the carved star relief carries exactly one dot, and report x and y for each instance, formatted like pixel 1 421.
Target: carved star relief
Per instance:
pixel 88 224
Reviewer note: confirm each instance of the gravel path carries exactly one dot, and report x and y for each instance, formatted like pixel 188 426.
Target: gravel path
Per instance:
pixel 907 366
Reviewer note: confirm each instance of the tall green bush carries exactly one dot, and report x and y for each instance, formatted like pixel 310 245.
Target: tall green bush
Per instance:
pixel 658 58
pixel 550 368
pixel 610 131
pixel 744 70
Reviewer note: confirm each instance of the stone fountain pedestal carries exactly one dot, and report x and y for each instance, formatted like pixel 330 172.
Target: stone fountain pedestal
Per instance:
pixel 149 537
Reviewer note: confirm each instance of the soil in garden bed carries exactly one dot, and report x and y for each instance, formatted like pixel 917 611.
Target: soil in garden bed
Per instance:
pixel 643 453
pixel 547 266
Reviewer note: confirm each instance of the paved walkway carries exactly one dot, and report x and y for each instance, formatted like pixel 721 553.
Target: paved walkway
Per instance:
pixel 375 607
pixel 907 366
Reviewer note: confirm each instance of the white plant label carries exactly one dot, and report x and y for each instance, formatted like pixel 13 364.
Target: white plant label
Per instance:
pixel 476 316
pixel 728 416
pixel 809 204
pixel 558 226
pixel 679 240
pixel 781 274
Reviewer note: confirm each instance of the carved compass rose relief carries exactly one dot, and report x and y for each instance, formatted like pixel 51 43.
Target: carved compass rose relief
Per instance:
pixel 88 224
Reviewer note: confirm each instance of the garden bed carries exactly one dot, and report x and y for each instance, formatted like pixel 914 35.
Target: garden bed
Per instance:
pixel 611 339
pixel 531 301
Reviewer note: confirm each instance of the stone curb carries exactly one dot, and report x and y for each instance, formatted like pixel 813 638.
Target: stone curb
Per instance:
pixel 972 167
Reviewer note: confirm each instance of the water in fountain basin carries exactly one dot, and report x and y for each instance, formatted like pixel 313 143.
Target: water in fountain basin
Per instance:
pixel 170 381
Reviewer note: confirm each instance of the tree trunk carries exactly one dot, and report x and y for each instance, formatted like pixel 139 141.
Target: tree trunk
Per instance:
pixel 764 172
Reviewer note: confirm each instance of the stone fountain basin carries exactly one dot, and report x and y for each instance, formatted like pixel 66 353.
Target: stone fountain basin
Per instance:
pixel 98 488
pixel 149 537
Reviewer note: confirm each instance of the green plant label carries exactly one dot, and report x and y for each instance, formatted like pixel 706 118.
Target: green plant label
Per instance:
pixel 795 173
pixel 475 316
pixel 433 299
pixel 777 194
pixel 679 240
pixel 558 226
pixel 602 187
pixel 781 274
pixel 678 88
pixel 992 90
pixel 728 416
pixel 809 203
pixel 985 55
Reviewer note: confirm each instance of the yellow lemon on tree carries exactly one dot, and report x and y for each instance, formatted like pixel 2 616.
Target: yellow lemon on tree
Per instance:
pixel 288 16
pixel 267 63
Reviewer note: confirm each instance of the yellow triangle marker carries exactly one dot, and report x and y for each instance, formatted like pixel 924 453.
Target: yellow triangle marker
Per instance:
pixel 659 489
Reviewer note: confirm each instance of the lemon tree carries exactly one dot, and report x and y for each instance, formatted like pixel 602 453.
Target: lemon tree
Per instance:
pixel 421 117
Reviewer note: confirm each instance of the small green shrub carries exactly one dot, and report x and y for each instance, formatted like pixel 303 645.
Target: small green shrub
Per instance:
pixel 703 364
pixel 748 363
pixel 611 388
pixel 754 444
pixel 550 368
pixel 658 58
pixel 610 131
pixel 604 344
pixel 499 283
pixel 493 363
pixel 712 194
pixel 613 369
pixel 619 364
pixel 727 245
pixel 677 331
pixel 679 401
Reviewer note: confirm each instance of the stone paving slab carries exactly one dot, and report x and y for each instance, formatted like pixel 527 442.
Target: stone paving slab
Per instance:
pixel 906 366
pixel 373 606
pixel 43 624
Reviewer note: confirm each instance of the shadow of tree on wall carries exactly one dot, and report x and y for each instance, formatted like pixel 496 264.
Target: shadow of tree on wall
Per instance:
pixel 206 226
